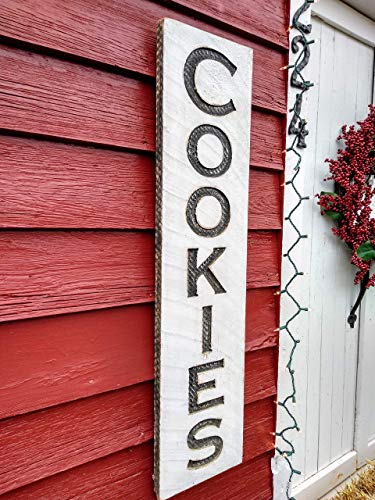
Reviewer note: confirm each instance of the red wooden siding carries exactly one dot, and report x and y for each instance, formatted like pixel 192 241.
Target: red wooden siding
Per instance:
pixel 46 362
pixel 75 433
pixel 131 470
pixel 122 34
pixel 36 192
pixel 77 140
pixel 264 19
pixel 83 270
pixel 79 103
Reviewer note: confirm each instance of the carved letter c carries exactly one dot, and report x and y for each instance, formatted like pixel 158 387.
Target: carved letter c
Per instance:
pixel 191 64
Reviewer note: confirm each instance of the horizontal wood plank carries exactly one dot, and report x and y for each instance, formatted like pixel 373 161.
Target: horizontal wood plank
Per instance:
pixel 259 425
pixel 128 473
pixel 69 435
pixel 43 443
pixel 264 200
pixel 267 20
pixel 54 98
pixel 263 254
pixel 124 35
pixel 52 185
pixel 54 360
pixel 262 318
pixel 55 272
pixel 260 374
pixel 249 480
pixel 43 95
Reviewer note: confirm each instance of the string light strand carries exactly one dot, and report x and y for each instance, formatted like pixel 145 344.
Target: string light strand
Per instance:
pixel 298 128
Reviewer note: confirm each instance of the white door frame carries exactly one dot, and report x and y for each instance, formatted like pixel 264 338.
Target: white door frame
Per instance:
pixel 339 15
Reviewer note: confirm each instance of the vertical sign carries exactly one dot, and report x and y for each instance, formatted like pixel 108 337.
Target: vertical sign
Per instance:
pixel 203 135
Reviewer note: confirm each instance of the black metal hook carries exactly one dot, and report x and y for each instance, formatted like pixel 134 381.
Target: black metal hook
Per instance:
pixel 352 318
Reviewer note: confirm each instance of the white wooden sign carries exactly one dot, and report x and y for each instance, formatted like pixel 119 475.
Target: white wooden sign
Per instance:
pixel 203 136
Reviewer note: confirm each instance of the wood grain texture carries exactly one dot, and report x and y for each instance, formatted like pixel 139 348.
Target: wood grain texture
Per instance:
pixel 54 360
pixel 75 433
pixel 48 96
pixel 130 471
pixel 30 388
pixel 267 20
pixel 264 200
pixel 261 318
pixel 51 185
pixel 43 443
pixel 263 254
pixel 258 428
pixel 48 361
pixel 55 272
pixel 123 35
pixel 55 98
pixel 106 478
pixel 260 374
pixel 49 272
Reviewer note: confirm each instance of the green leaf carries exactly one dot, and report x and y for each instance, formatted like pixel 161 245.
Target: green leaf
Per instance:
pixel 331 213
pixel 334 215
pixel 366 251
pixel 328 192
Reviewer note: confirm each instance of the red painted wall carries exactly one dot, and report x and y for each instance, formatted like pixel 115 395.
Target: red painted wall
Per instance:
pixel 77 139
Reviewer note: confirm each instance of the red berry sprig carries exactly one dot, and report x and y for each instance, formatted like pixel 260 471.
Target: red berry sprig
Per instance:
pixel 350 204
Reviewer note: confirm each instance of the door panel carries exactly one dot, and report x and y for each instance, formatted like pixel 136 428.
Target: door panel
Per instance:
pixel 342 69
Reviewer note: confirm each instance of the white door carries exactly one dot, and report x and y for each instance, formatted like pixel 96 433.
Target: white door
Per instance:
pixel 332 440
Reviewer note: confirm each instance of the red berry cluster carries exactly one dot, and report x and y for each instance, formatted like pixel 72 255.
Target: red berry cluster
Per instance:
pixel 350 204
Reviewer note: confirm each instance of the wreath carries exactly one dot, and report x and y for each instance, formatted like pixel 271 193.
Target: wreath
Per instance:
pixel 350 204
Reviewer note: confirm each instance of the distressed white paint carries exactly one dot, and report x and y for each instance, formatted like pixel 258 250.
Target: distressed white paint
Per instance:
pixel 325 361
pixel 181 316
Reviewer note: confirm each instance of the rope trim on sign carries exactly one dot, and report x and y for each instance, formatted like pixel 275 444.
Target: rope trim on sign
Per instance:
pixel 297 127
